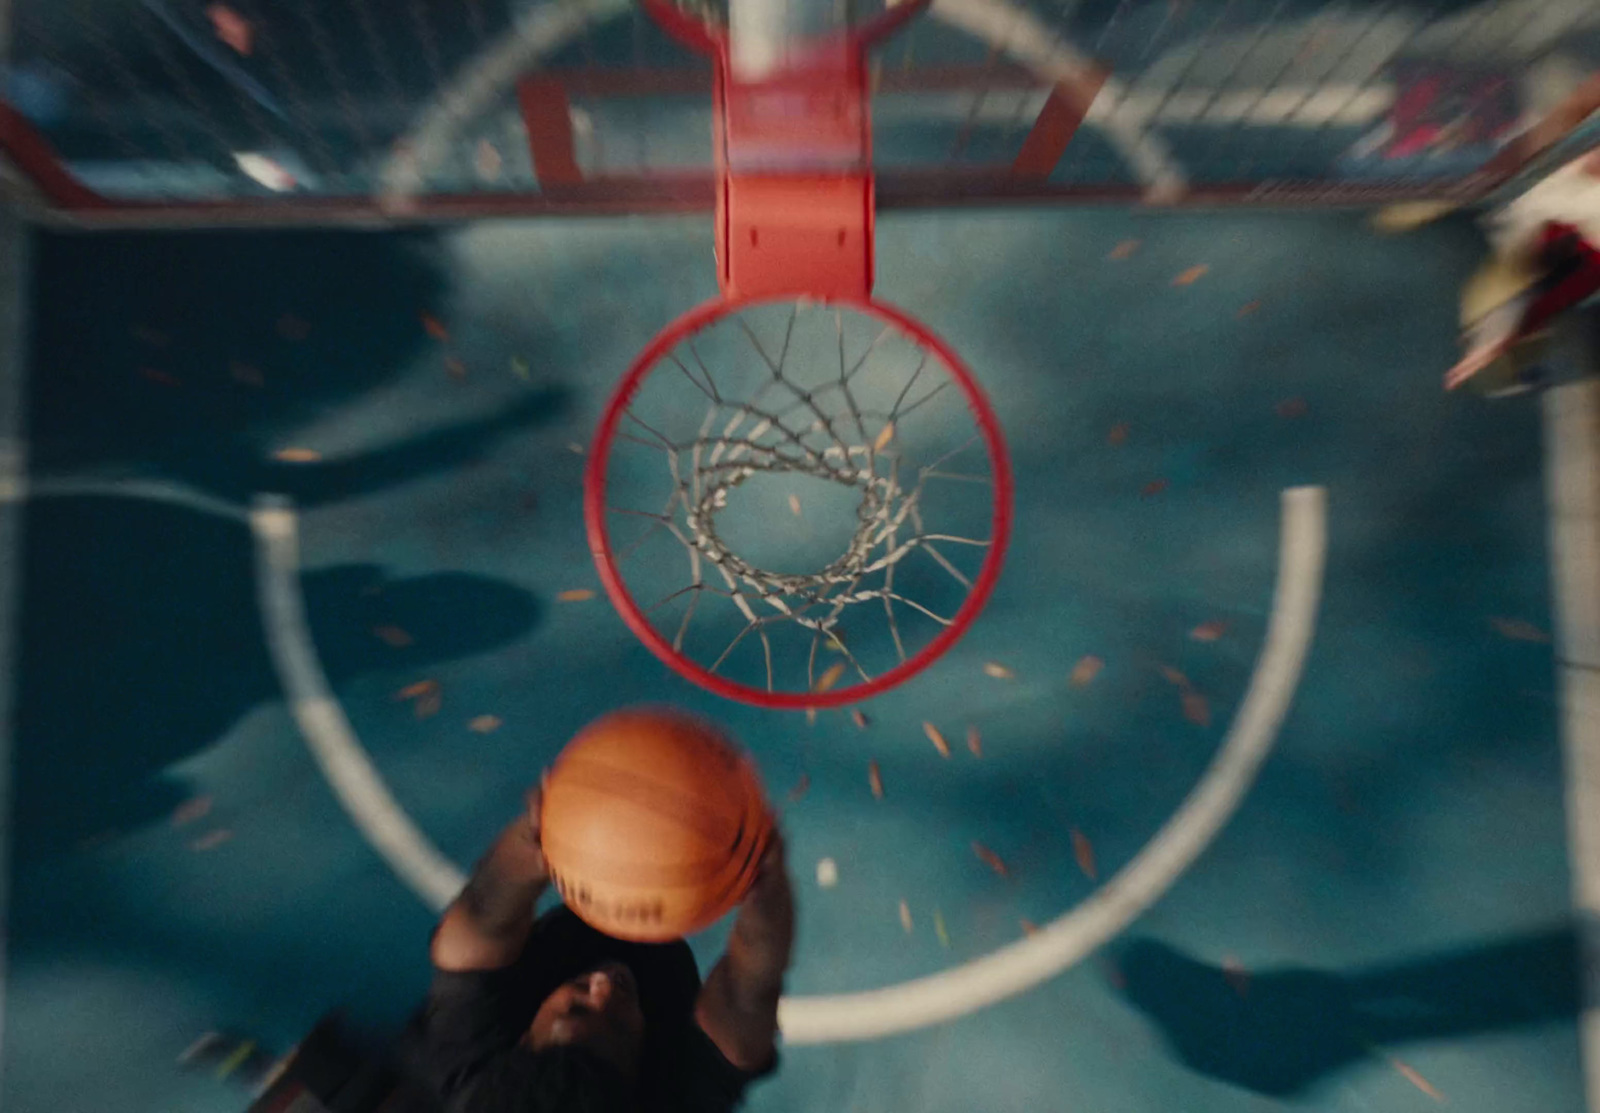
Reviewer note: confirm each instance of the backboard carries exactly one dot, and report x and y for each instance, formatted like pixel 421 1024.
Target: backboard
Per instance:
pixel 314 111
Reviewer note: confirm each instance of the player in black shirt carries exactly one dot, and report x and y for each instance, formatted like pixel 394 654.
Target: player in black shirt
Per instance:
pixel 541 1016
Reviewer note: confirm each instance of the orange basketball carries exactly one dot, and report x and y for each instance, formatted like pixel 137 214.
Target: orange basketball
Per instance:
pixel 653 824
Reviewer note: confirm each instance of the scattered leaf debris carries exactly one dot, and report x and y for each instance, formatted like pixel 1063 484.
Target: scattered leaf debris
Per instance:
pixel 998 671
pixel 937 739
pixel 1410 1074
pixel 297 455
pixel 192 809
pixel 1196 708
pixel 1029 927
pixel 794 505
pixel 875 780
pixel 858 718
pixel 1084 672
pixel 1192 275
pixel 885 435
pixel 990 859
pixel 827 873
pixel 434 327
pixel 484 724
pixel 211 840
pixel 1118 434
pixel 1248 308
pixel 974 742
pixel 1124 249
pixel 1153 488
pixel 939 929
pixel 393 636
pixel 575 595
pixel 1173 676
pixel 1519 630
pixel 1083 851
pixel 1208 631
pixel 231 28
pixel 455 368
pixel 831 677
pixel 905 917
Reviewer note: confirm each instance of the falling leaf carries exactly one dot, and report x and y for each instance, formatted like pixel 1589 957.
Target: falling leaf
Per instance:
pixel 1083 851
pixel 294 328
pixel 831 677
pixel 575 448
pixel 1238 977
pixel 1248 308
pixel 885 435
pixel 800 787
pixel 990 859
pixel 211 840
pixel 428 704
pixel 937 739
pixel 1518 630
pixel 434 327
pixel 487 162
pixel 939 928
pixel 159 376
pixel 190 810
pixel 297 455
pixel 1029 928
pixel 392 636
pixel 1409 1073
pixel 974 742
pixel 827 873
pixel 811 716
pixel 144 334
pixel 1153 488
pixel 1118 434
pixel 1196 709
pixel 231 28
pixel 858 718
pixel 1291 408
pixel 794 505
pixel 519 367
pixel 575 595
pixel 1084 672
pixel 1124 249
pixel 1208 631
pixel 1173 676
pixel 1192 275
pixel 875 780
pixel 484 724
pixel 905 916
pixel 246 374
pixel 455 368
pixel 420 688
pixel 998 671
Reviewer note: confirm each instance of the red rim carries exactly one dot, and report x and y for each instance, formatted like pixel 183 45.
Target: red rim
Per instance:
pixel 594 510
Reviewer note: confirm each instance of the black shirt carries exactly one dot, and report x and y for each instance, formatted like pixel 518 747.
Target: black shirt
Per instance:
pixel 473 1018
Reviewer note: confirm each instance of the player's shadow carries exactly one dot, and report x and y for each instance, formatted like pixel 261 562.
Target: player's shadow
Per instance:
pixel 142 643
pixel 1281 1031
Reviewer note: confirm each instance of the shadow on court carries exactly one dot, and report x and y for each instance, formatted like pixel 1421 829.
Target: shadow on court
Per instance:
pixel 1279 1032
pixel 142 643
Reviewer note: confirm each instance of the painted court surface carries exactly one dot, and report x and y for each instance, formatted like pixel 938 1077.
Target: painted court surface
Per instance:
pixel 1381 925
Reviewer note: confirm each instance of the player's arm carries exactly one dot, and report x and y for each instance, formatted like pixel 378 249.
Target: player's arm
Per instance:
pixel 738 1006
pixel 487 925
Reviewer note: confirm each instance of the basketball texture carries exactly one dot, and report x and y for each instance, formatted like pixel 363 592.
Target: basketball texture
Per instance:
pixel 653 824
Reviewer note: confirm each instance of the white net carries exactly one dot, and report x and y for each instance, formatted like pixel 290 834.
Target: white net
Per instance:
pixel 810 493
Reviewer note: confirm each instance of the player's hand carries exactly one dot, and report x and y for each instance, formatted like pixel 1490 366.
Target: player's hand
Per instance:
pixel 520 841
pixel 766 917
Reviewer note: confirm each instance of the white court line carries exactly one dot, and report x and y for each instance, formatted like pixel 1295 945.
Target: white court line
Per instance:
pixel 17 488
pixel 923 1001
pixel 1139 884
pixel 350 772
pixel 1572 500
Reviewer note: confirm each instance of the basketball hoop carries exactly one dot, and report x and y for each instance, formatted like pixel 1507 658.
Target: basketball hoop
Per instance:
pixel 887 494
pixel 766 595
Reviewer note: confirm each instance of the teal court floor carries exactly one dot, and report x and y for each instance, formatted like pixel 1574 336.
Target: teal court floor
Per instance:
pixel 1383 924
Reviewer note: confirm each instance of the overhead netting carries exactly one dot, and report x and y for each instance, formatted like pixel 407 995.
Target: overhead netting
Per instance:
pixel 802 500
